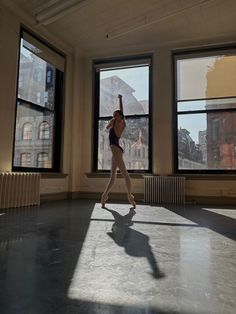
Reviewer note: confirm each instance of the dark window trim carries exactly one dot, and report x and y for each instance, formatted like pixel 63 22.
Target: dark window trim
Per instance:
pixel 96 89
pixel 58 105
pixel 185 54
pixel 44 41
pixel 205 111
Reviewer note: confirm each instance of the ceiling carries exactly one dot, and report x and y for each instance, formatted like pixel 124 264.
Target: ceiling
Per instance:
pixel 115 26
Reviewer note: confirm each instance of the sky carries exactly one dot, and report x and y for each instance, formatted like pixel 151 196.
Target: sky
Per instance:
pixel 193 123
pixel 137 78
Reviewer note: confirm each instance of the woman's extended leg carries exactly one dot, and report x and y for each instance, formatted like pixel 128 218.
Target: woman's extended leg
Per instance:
pixel 110 182
pixel 118 156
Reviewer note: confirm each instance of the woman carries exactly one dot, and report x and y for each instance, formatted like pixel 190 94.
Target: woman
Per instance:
pixel 116 126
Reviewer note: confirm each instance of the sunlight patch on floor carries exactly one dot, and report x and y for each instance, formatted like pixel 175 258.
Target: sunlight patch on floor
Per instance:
pixel 142 274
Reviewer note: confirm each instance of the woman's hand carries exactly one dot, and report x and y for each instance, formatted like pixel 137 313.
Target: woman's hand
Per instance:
pixel 110 124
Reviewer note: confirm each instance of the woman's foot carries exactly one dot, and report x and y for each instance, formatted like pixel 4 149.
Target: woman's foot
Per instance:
pixel 103 200
pixel 132 211
pixel 131 200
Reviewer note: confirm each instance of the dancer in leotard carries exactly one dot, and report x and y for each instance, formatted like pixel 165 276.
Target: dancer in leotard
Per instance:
pixel 116 126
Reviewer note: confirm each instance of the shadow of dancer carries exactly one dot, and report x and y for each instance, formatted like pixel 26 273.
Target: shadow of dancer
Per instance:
pixel 134 242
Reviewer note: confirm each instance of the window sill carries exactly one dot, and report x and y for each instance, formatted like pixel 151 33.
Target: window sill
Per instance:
pixel 119 175
pixel 53 175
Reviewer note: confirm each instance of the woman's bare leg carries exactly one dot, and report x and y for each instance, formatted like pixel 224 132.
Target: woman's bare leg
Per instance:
pixel 110 182
pixel 118 156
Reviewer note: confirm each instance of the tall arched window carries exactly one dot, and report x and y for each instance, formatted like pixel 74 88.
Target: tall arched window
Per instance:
pixel 27 131
pixel 43 160
pixel 44 131
pixel 25 160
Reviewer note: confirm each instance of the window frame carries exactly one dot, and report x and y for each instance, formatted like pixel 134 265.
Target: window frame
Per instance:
pixel 58 108
pixel 96 89
pixel 187 54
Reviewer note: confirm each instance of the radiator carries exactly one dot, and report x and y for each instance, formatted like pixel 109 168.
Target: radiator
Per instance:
pixel 164 190
pixel 18 189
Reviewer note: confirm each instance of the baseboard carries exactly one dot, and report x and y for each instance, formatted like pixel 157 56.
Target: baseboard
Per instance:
pixel 139 197
pixel 54 196
pixel 210 200
pixel 112 196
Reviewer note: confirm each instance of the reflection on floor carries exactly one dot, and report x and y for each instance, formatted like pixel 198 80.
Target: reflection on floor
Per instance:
pixel 75 257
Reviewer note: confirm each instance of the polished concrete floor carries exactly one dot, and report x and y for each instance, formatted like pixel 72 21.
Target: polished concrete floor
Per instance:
pixel 75 257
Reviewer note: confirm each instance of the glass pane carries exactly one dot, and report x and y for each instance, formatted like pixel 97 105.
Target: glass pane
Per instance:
pixel 207 104
pixel 36 79
pixel 134 142
pixel 207 141
pixel 104 152
pixel 132 83
pixel 206 77
pixel 30 146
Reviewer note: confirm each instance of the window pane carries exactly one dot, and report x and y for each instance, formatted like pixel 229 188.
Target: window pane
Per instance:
pixel 206 77
pixel 44 131
pixel 36 79
pixel 27 116
pixel 134 142
pixel 212 104
pixel 43 51
pixel 192 148
pixel 104 152
pixel 207 141
pixel 43 161
pixel 25 160
pixel 27 131
pixel 132 83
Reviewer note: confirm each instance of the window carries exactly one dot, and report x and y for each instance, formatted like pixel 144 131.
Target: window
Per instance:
pixel 43 160
pixel 38 106
pixel 131 78
pixel 49 75
pixel 27 131
pixel 205 102
pixel 44 131
pixel 25 160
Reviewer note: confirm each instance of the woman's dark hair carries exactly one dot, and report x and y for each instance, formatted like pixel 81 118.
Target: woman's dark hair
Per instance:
pixel 120 113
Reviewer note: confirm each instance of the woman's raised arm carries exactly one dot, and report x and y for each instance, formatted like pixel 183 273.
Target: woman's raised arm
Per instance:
pixel 120 102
